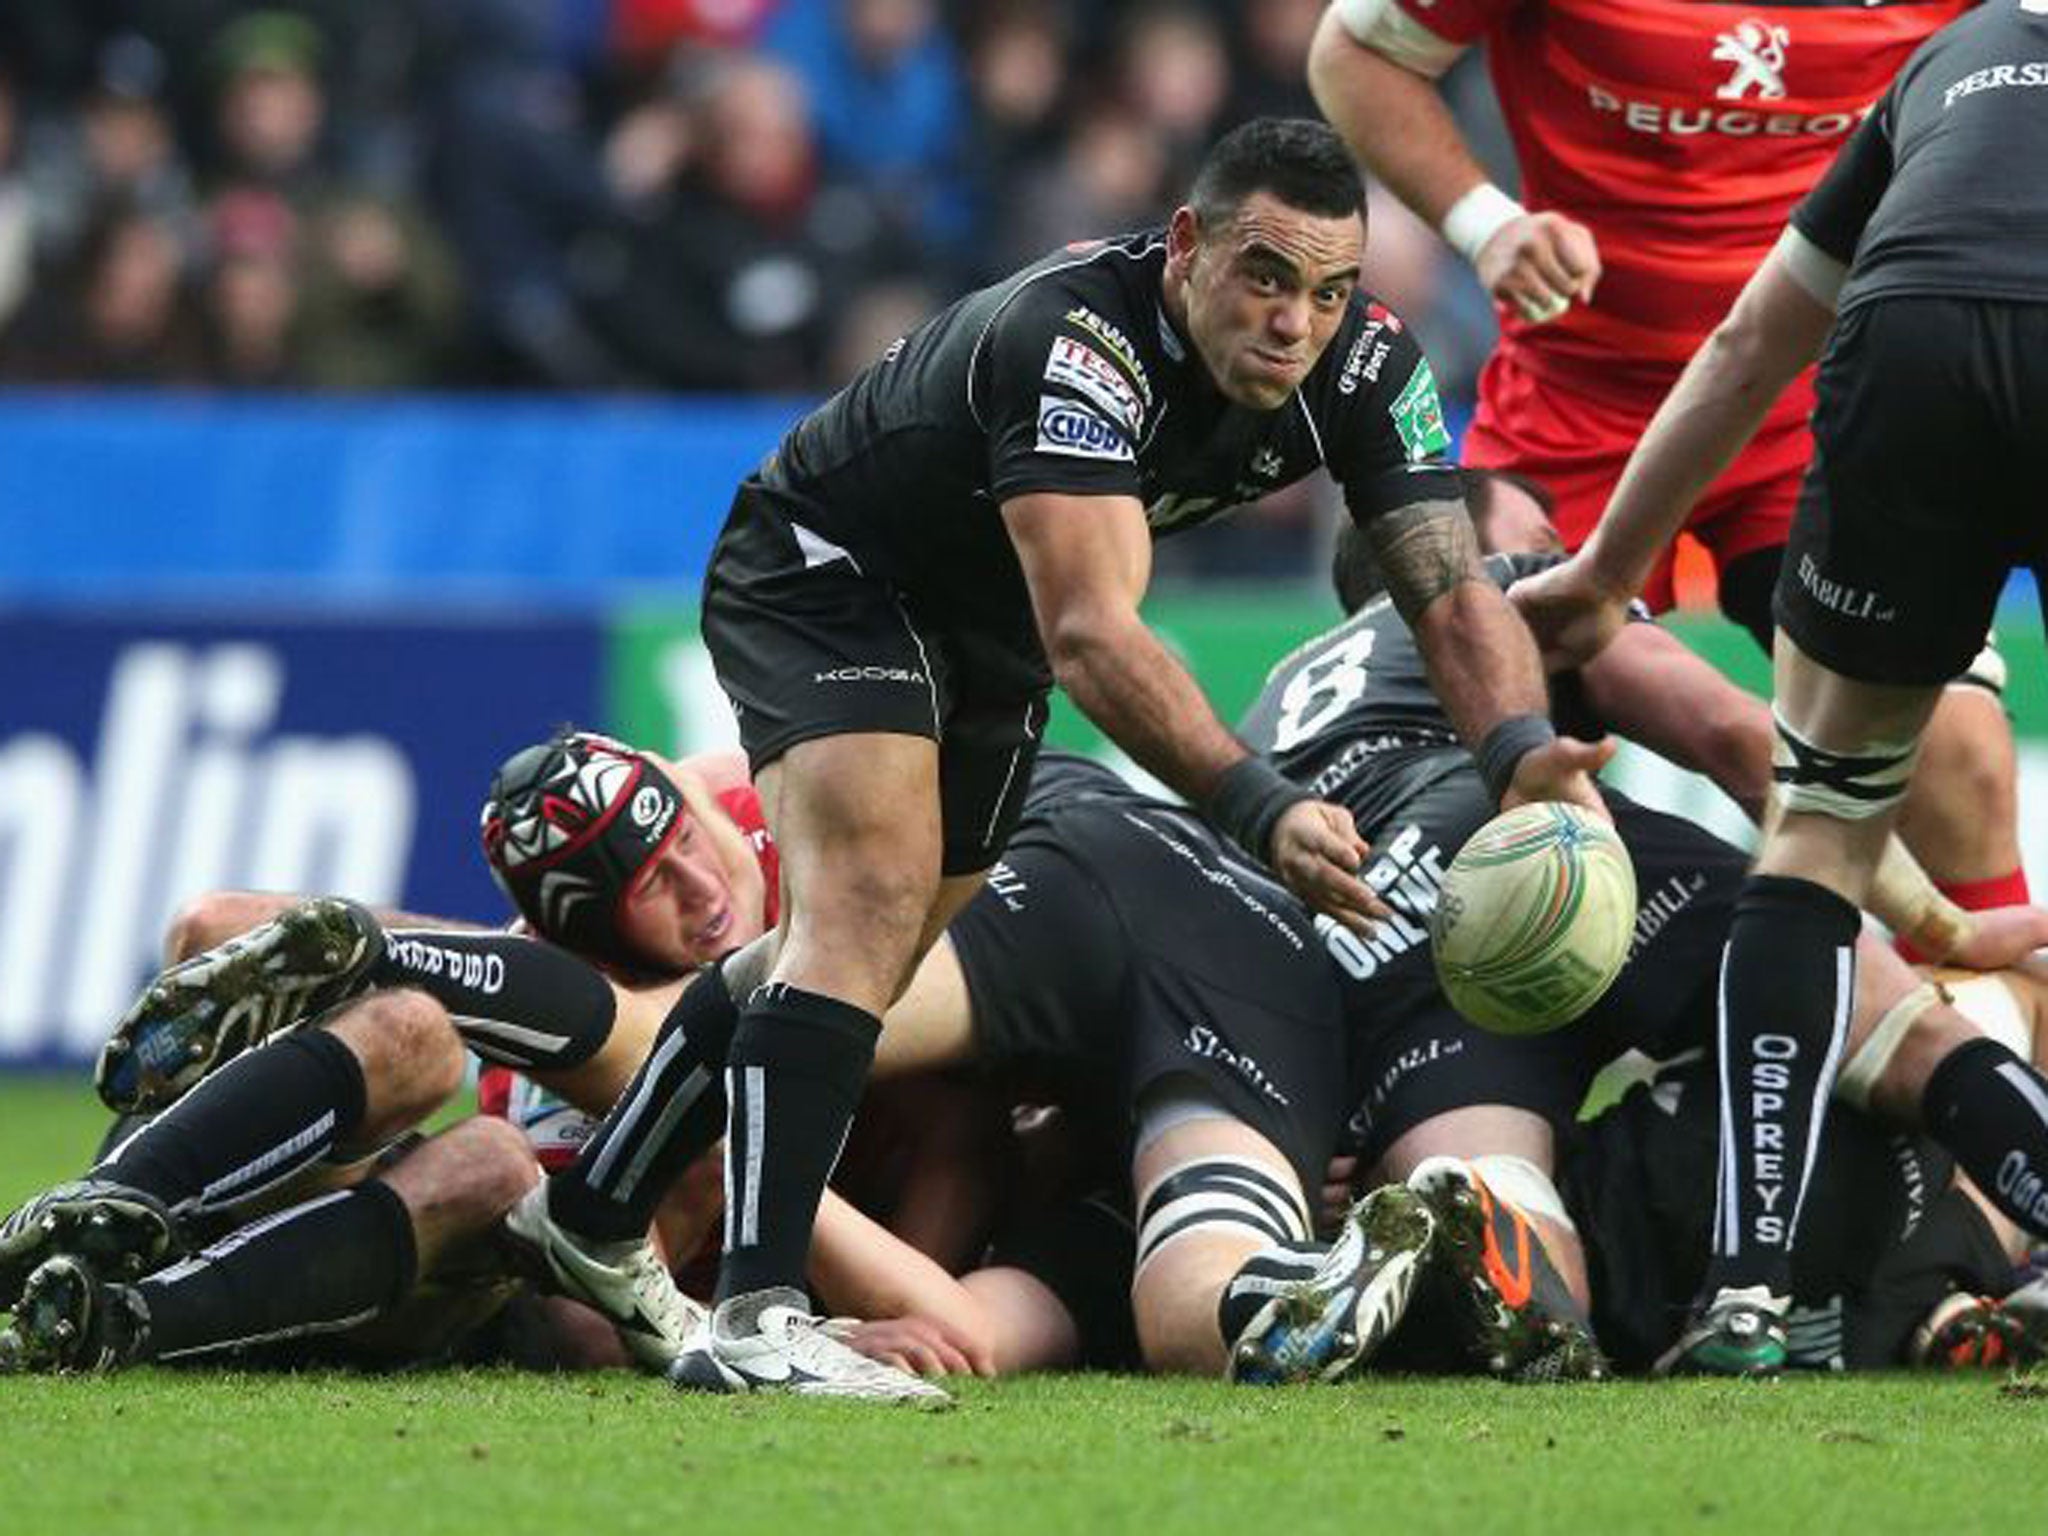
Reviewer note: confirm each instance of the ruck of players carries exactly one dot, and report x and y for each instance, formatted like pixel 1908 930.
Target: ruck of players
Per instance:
pixel 897 1045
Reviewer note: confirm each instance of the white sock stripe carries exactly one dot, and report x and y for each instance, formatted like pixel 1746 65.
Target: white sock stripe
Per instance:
pixel 229 1185
pixel 688 1093
pixel 293 1331
pixel 242 1236
pixel 619 1125
pixel 732 1129
pixel 540 1043
pixel 756 1097
pixel 1824 1086
pixel 1727 1238
pixel 2027 1086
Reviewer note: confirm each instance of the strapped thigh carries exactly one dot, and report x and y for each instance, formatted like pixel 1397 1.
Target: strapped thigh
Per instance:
pixel 1846 786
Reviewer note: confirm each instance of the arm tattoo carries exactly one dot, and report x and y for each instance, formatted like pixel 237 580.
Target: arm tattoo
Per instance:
pixel 1424 550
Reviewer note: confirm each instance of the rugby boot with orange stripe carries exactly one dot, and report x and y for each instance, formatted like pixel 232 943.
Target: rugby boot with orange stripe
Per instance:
pixel 1525 1324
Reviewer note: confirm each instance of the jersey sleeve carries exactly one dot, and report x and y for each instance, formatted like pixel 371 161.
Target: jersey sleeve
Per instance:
pixel 1834 213
pixel 1398 28
pixel 1385 437
pixel 1063 410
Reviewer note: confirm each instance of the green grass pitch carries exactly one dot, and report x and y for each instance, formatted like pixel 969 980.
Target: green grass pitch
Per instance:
pixel 169 1453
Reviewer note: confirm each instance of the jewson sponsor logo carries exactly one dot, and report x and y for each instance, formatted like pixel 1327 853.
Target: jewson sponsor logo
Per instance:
pixel 1067 428
pixel 187 790
pixel 1119 345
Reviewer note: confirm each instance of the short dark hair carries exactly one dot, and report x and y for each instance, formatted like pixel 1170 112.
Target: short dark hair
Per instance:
pixel 1300 161
pixel 1355 571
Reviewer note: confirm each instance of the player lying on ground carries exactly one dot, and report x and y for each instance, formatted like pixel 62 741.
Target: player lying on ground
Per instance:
pixel 1893 573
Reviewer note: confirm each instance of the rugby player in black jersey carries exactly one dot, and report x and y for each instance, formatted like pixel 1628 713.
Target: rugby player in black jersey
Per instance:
pixel 899 585
pixel 1919 263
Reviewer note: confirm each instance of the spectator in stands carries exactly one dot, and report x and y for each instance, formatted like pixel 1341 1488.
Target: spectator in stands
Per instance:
pixel 887 105
pixel 1272 75
pixel 1111 176
pixel 118 154
pixel 120 315
pixel 17 212
pixel 250 300
pixel 382 306
pixel 1173 70
pixel 734 285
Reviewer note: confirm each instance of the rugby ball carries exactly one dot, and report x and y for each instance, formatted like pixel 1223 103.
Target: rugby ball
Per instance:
pixel 1534 919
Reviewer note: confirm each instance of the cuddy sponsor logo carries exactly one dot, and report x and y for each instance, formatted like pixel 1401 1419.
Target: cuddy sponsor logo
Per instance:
pixel 1079 433
pixel 1080 367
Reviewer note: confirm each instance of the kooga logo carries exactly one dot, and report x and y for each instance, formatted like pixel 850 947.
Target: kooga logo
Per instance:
pixel 186 791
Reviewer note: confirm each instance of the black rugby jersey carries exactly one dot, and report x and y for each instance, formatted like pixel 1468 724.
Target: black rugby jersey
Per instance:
pixel 1351 716
pixel 1944 189
pixel 1068 377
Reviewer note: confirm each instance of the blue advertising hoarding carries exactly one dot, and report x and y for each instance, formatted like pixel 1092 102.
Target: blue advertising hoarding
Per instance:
pixel 143 761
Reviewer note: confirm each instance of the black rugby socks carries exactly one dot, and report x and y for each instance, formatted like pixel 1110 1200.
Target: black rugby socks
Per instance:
pixel 1990 1109
pixel 328 1265
pixel 671 1113
pixel 1787 986
pixel 256 1122
pixel 514 1000
pixel 798 1063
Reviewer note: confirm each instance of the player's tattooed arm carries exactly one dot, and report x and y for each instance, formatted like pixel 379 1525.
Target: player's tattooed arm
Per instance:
pixel 1423 552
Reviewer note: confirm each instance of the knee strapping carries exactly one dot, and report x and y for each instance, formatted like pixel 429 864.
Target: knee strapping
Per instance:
pixel 1846 786
pixel 1860 1073
pixel 1219 1193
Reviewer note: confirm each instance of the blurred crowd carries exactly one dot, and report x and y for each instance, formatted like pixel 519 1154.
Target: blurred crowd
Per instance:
pixel 603 195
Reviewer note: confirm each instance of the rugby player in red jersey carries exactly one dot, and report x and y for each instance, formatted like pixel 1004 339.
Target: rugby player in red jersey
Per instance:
pixel 1661 144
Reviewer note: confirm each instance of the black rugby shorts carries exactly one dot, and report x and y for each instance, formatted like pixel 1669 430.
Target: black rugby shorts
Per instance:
pixel 807 644
pixel 1929 483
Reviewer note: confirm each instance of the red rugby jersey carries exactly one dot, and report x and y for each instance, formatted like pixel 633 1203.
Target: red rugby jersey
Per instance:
pixel 1681 132
pixel 743 805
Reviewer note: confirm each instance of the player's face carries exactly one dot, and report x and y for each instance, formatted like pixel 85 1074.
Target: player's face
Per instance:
pixel 1265 293
pixel 681 911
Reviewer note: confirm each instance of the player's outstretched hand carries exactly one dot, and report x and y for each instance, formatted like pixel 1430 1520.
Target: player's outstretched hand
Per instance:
pixel 1571 614
pixel 1317 853
pixel 1562 770
pixel 924 1346
pixel 1998 937
pixel 1539 263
